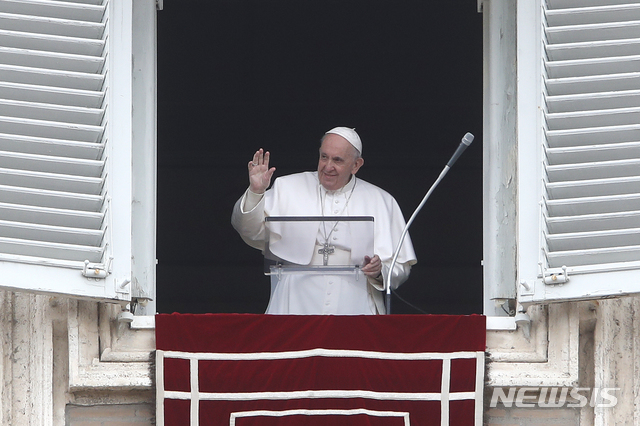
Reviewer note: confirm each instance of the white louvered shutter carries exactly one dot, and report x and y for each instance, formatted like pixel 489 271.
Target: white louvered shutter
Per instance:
pixel 589 200
pixel 65 147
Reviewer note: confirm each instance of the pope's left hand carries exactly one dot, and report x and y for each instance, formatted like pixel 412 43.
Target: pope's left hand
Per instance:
pixel 372 266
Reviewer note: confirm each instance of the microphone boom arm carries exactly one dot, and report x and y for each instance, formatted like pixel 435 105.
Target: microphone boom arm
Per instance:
pixel 466 141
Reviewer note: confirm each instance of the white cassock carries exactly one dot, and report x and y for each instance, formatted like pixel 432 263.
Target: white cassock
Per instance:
pixel 302 195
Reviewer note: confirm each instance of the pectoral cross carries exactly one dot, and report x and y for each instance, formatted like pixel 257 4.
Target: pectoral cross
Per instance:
pixel 325 251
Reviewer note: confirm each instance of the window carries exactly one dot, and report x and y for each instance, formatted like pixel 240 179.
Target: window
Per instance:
pixel 279 82
pixel 69 169
pixel 578 150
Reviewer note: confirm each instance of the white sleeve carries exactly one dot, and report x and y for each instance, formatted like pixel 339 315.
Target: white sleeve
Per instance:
pixel 251 200
pixel 399 275
pixel 248 219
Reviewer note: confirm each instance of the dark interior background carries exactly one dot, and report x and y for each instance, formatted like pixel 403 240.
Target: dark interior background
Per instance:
pixel 236 75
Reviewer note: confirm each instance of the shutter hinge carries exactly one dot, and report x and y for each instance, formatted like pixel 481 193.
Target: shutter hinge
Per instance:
pixel 555 276
pixel 97 270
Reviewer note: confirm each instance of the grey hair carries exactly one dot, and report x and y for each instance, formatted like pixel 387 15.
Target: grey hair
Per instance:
pixel 355 150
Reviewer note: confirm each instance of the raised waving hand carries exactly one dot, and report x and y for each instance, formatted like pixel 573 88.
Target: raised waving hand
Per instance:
pixel 259 172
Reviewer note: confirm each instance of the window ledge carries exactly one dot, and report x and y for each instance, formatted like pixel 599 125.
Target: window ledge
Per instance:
pixel 548 356
pixel 123 359
pixel 501 323
pixel 143 322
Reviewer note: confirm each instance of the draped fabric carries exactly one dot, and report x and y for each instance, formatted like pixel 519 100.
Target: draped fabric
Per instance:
pixel 245 370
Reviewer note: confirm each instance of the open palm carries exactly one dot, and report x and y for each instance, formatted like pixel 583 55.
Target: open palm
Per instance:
pixel 259 172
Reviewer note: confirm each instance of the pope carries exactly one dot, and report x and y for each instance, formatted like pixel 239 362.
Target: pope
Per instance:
pixel 333 190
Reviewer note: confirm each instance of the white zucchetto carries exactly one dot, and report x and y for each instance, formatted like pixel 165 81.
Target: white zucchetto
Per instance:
pixel 350 135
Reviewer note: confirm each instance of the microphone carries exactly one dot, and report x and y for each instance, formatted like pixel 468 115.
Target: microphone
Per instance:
pixel 466 141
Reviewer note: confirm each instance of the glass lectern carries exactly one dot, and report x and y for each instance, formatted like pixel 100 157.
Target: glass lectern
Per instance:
pixel 311 245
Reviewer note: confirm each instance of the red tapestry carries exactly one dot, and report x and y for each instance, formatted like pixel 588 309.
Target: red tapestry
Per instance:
pixel 248 370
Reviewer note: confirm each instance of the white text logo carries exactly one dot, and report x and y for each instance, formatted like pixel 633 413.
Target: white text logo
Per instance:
pixel 554 397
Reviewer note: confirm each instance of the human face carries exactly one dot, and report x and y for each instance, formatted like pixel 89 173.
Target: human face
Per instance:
pixel 337 162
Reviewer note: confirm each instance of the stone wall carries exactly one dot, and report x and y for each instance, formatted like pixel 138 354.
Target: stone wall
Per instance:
pixel 62 360
pixel 513 416
pixel 602 365
pixel 110 415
